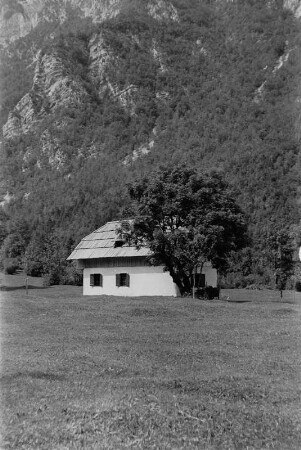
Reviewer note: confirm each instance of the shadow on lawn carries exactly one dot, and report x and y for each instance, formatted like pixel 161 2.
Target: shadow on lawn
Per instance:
pixel 238 301
pixel 18 288
pixel 34 374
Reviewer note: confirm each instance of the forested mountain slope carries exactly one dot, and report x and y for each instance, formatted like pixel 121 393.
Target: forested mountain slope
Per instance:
pixel 93 97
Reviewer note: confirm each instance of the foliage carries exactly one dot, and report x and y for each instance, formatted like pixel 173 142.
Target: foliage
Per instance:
pixel 45 256
pixel 3 225
pixel 73 275
pixel 10 266
pixel 185 219
pixel 280 249
pixel 15 243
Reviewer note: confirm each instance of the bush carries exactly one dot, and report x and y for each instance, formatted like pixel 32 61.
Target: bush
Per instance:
pixel 46 280
pixel 11 269
pixel 236 280
pixel 53 277
pixel 10 266
pixel 73 275
pixel 34 269
pixel 208 293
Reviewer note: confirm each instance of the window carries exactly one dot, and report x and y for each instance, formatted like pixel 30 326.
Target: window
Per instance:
pixel 122 279
pixel 96 279
pixel 118 243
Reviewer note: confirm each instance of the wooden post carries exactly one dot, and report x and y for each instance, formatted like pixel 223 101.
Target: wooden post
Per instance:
pixel 26 279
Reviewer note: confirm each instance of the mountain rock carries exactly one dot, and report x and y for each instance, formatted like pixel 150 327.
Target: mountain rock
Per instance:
pixel 294 6
pixel 19 17
pixel 54 85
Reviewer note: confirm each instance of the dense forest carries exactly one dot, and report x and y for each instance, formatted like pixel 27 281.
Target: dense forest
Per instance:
pixel 215 87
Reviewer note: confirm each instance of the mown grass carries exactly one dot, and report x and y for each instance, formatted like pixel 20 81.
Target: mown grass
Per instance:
pixel 149 373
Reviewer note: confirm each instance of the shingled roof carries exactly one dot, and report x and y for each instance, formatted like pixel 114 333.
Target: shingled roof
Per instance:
pixel 101 244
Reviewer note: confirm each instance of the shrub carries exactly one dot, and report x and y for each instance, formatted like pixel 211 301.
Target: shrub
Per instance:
pixel 73 275
pixel 234 280
pixel 209 293
pixel 34 269
pixel 10 265
pixel 11 269
pixel 46 280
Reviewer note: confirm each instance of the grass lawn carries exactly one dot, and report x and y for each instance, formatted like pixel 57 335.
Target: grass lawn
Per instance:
pixel 149 373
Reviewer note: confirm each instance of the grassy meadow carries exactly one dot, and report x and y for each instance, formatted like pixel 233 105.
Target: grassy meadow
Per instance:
pixel 149 373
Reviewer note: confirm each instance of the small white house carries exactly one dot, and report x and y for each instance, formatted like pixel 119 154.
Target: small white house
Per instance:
pixel 113 267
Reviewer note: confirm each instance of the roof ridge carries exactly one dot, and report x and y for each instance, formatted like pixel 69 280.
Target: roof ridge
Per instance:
pixel 100 229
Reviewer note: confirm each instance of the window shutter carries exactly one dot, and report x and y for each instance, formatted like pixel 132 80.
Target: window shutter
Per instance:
pixel 100 280
pixel 127 280
pixel 117 279
pixel 92 279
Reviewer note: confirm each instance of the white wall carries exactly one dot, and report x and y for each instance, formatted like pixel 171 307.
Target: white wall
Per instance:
pixel 210 275
pixel 147 280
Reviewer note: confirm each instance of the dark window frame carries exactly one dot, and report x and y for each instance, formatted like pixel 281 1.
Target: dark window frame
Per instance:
pixel 123 279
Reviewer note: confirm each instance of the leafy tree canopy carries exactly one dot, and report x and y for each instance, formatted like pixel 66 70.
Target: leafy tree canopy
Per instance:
pixel 186 218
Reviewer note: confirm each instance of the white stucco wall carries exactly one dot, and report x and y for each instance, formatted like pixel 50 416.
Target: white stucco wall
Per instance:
pixel 210 275
pixel 148 280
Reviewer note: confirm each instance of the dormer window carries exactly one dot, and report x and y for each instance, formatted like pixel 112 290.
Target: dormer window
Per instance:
pixel 119 243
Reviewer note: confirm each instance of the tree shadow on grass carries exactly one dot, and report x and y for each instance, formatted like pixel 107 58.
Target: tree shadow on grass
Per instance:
pixel 37 374
pixel 239 301
pixel 20 288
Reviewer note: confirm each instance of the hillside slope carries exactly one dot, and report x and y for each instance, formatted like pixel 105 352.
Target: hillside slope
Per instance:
pixel 92 99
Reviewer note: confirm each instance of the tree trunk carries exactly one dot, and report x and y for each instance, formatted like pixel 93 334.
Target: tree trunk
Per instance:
pixel 182 281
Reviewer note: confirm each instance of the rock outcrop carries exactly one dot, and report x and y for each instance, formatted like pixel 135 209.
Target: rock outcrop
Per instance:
pixel 54 86
pixel 18 18
pixel 293 5
pixel 57 82
pixel 101 56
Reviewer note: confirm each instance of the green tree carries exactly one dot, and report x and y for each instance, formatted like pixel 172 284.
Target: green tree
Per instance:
pixel 280 250
pixel 186 219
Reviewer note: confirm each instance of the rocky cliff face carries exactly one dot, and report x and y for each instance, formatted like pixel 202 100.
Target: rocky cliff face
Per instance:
pixel 294 6
pixel 18 18
pixel 54 85
pixel 58 82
